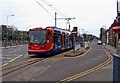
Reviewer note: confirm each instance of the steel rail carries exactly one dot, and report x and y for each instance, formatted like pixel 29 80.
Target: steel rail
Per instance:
pixel 17 67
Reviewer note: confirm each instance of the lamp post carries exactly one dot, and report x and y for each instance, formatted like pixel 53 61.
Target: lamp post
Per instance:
pixel 7 26
pixel 7 18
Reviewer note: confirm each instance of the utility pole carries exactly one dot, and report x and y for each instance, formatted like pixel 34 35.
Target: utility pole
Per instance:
pixel 117 8
pixel 117 34
pixel 55 19
pixel 68 19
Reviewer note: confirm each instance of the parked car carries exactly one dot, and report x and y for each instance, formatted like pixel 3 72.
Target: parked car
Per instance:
pixel 99 42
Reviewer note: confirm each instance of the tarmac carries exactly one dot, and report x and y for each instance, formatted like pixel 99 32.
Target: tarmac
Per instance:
pixel 103 74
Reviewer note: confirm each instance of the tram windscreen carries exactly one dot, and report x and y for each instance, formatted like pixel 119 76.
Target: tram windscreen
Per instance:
pixel 37 37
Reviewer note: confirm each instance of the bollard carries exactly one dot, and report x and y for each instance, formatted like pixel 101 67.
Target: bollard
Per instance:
pixel 116 68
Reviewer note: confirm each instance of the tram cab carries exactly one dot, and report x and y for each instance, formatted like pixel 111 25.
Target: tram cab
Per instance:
pixel 40 40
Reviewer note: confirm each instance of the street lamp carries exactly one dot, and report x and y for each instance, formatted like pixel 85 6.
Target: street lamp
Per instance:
pixel 7 25
pixel 7 18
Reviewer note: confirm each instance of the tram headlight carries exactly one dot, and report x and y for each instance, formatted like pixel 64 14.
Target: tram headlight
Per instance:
pixel 42 46
pixel 48 41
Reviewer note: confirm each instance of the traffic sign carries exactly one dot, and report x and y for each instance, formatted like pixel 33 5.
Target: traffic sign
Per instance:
pixel 74 33
pixel 116 27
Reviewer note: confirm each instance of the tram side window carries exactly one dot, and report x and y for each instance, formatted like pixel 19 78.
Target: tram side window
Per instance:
pixel 49 38
pixel 55 38
pixel 71 39
pixel 59 38
pixel 68 40
pixel 63 40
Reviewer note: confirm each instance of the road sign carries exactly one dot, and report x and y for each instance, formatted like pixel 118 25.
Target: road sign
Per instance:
pixel 116 27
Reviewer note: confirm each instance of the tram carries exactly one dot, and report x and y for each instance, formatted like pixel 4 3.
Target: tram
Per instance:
pixel 49 41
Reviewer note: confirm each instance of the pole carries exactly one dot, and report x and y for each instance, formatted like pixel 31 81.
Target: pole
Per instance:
pixel 117 35
pixel 55 19
pixel 7 27
pixel 69 25
pixel 7 33
pixel 74 44
pixel 117 8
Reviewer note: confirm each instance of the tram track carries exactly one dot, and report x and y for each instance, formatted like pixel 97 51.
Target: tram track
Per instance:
pixel 91 70
pixel 8 70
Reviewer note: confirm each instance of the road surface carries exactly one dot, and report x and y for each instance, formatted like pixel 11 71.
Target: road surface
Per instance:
pixel 58 69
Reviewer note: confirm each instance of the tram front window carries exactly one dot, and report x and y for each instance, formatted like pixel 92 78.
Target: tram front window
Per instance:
pixel 37 37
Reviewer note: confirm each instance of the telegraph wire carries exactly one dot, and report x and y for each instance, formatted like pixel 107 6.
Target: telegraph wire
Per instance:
pixel 76 24
pixel 83 30
pixel 44 8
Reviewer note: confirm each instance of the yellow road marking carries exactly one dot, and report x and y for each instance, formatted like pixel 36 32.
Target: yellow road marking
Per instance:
pixel 90 70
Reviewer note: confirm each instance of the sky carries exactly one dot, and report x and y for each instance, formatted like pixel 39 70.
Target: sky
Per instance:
pixel 90 15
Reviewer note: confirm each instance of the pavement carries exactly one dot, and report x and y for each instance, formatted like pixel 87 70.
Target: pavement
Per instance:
pixel 110 49
pixel 77 52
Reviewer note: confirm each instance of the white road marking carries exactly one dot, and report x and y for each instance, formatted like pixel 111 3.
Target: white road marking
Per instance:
pixel 11 61
pixel 15 58
pixel 12 51
pixel 19 49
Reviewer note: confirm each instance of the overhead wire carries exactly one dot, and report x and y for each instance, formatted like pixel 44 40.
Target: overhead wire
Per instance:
pixel 80 28
pixel 56 10
pixel 44 8
pixel 76 24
